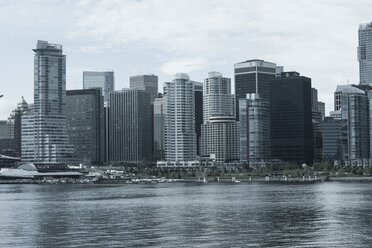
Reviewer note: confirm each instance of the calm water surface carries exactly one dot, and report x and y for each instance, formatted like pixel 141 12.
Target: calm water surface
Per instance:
pixel 187 215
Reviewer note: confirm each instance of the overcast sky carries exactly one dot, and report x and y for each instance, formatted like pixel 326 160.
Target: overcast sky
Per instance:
pixel 317 38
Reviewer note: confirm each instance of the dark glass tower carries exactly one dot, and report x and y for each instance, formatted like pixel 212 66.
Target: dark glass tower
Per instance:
pixel 291 118
pixel 253 76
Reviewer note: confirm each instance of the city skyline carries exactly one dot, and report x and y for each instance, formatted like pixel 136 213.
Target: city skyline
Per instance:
pixel 318 39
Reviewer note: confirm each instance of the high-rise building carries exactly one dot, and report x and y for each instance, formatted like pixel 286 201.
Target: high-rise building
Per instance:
pixel 254 130
pixel 148 83
pixel 103 80
pixel 85 124
pixel 253 76
pixel 220 139
pixel 159 126
pixel 198 97
pixel 365 53
pixel 291 118
pixel 217 97
pixel 180 136
pixel 332 137
pixel 316 119
pixel 354 112
pixel 219 131
pixel 321 109
pixel 130 126
pixel 52 143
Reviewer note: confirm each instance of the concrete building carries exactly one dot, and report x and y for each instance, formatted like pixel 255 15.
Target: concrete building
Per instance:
pixel 85 124
pixel 147 83
pixel 316 119
pixel 28 143
pixel 321 109
pixel 365 53
pixel 3 129
pixel 254 119
pixel 291 118
pixel 130 126
pixel 220 139
pixel 52 143
pixel 180 135
pixel 217 97
pixel 253 76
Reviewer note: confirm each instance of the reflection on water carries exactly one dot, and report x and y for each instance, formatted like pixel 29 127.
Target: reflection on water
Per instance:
pixel 187 215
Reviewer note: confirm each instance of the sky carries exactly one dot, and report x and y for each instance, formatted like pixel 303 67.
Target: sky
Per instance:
pixel 316 38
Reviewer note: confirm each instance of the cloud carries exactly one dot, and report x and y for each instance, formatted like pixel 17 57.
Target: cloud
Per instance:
pixel 186 65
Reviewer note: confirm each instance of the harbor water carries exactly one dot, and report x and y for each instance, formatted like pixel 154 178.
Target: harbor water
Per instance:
pixel 329 214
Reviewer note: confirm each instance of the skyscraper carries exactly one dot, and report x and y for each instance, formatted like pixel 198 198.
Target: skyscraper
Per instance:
pixel 103 80
pixel 130 126
pixel 291 118
pixel 332 137
pixel 217 97
pixel 180 136
pixel 219 131
pixel 159 126
pixel 85 124
pixel 52 143
pixel 365 53
pixel 254 130
pixel 253 76
pixel 148 83
pixel 354 112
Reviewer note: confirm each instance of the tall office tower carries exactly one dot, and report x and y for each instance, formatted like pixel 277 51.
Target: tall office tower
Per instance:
pixel 148 83
pixel 52 143
pixel 365 53
pixel 28 142
pixel 254 114
pixel 291 118
pixel 316 119
pixel 332 137
pixel 159 126
pixel 198 97
pixel 85 124
pixel 354 111
pixel 3 129
pixel 130 126
pixel 220 139
pixel 253 76
pixel 217 97
pixel 180 136
pixel 14 125
pixel 105 81
pixel 321 109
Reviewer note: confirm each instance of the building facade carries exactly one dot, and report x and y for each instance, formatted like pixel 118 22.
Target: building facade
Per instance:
pixel 85 124
pixel 217 97
pixel 130 126
pixel 52 143
pixel 220 139
pixel 365 53
pixel 103 80
pixel 147 83
pixel 159 127
pixel 180 135
pixel 254 130
pixel 199 112
pixel 253 76
pixel 291 118
pixel 332 137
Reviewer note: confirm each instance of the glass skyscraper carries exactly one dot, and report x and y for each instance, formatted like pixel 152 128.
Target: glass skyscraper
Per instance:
pixel 103 80
pixel 365 53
